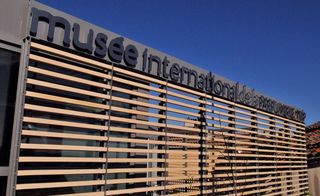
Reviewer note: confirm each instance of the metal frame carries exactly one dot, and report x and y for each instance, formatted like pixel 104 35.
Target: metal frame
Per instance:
pixel 18 114
pixel 7 171
pixel 16 133
pixel 9 46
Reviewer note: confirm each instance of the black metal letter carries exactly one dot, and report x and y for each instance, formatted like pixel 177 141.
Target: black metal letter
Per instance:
pixel 165 64
pixel 131 56
pixel 175 72
pixel 85 47
pixel 53 21
pixel 101 45
pixel 115 50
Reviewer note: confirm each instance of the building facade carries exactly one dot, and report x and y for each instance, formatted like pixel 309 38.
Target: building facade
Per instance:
pixel 85 111
pixel 313 154
pixel 313 141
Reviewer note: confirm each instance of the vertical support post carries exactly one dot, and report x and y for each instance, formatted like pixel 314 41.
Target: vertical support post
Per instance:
pixel 290 160
pixel 203 148
pixel 107 133
pixel 257 164
pixel 234 152
pixel 163 138
pixel 275 144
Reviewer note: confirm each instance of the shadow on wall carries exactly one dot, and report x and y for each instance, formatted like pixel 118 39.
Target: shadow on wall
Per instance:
pixel 317 184
pixel 314 181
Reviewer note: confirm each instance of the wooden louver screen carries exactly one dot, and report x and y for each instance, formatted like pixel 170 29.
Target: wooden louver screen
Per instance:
pixel 92 128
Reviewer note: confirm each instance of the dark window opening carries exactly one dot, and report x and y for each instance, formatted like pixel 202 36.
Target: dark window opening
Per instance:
pixel 3 185
pixel 9 68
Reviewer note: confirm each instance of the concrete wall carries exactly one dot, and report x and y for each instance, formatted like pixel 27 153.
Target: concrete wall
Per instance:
pixel 13 20
pixel 314 181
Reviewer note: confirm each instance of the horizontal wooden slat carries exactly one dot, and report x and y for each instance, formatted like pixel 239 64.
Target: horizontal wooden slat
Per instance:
pixel 251 115
pixel 68 66
pixel 149 132
pixel 64 123
pixel 250 167
pixel 260 150
pixel 100 127
pixel 99 116
pixel 185 97
pixel 137 190
pixel 255 110
pixel 271 126
pixel 261 128
pixel 138 85
pixel 274 162
pixel 258 185
pixel 61 159
pixel 65 112
pixel 100 171
pixel 112 139
pixel 261 178
pixel 292 190
pixel 260 173
pixel 67 77
pixel 58 184
pixel 94 182
pixel 60 172
pixel 66 100
pixel 67 88
pixel 273 188
pixel 255 132
pixel 103 138
pixel 278 143
pixel 85 194
pixel 70 55
pixel 241 142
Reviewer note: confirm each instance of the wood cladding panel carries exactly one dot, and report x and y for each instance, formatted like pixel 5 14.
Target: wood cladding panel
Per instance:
pixel 92 128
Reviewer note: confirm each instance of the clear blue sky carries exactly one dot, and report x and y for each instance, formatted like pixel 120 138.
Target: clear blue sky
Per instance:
pixel 270 45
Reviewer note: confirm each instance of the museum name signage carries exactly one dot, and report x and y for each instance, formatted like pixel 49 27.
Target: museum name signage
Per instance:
pixel 100 45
